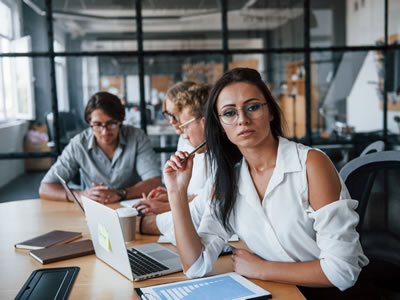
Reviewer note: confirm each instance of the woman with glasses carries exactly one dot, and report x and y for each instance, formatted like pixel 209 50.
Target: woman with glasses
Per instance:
pixel 283 199
pixel 115 161
pixel 184 108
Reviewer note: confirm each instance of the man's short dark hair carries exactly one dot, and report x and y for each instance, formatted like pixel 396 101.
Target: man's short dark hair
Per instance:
pixel 108 103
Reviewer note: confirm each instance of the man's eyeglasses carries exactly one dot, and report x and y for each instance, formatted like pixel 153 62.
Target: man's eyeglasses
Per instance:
pixel 184 124
pixel 230 115
pixel 170 117
pixel 109 125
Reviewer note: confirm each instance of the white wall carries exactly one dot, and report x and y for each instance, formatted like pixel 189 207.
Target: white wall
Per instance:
pixel 364 27
pixel 12 136
pixel 363 102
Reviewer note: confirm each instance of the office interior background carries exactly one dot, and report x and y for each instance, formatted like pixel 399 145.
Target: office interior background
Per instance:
pixel 333 66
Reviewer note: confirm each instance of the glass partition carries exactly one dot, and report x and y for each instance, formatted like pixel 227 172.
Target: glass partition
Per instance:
pixel 265 24
pixel 346 23
pixel 181 25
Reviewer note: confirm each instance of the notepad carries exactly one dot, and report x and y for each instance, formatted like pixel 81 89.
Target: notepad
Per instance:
pixel 225 286
pixel 55 237
pixel 63 252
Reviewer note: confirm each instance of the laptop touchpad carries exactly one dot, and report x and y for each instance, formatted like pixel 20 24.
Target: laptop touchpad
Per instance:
pixel 162 255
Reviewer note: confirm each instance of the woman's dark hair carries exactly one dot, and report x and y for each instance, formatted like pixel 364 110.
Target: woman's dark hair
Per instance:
pixel 108 103
pixel 223 154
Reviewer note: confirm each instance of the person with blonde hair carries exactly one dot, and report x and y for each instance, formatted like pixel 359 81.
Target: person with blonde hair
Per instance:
pixel 184 106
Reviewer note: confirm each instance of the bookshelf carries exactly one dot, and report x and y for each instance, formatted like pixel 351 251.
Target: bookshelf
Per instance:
pixel 293 103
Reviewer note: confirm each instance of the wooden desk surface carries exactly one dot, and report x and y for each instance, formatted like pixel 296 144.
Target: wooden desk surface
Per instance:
pixel 21 220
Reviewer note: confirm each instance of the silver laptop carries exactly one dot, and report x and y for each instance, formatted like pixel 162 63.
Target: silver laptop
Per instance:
pixel 69 192
pixel 136 263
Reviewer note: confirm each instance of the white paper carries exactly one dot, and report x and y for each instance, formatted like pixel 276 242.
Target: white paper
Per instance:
pixel 130 202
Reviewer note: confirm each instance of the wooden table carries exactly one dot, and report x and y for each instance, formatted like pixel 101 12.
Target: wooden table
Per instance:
pixel 21 220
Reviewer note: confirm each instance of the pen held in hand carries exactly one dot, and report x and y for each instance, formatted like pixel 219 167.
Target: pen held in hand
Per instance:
pixel 194 150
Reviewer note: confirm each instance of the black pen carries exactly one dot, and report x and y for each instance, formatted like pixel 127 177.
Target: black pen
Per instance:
pixel 194 150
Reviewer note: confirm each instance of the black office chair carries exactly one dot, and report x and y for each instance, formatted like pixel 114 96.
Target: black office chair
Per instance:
pixel 376 146
pixel 69 125
pixel 373 180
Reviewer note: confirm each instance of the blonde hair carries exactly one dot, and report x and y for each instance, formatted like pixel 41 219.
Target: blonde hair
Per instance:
pixel 189 94
pixel 174 90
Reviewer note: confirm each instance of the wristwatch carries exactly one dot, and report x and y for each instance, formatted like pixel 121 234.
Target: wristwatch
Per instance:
pixel 122 194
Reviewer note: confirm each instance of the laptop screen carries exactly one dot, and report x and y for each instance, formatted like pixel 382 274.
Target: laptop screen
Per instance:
pixel 69 192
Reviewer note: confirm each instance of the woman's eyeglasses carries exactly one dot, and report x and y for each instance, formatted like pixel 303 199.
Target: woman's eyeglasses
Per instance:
pixel 184 124
pixel 170 117
pixel 109 125
pixel 252 111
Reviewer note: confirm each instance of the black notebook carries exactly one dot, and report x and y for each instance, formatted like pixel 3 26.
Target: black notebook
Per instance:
pixel 55 237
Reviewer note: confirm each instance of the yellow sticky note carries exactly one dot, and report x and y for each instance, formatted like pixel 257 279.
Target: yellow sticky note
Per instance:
pixel 104 239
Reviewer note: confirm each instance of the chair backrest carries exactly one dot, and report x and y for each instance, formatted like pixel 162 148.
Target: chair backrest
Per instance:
pixel 359 175
pixel 377 146
pixel 69 125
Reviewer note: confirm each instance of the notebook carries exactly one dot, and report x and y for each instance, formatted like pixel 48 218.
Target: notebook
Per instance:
pixel 55 237
pixel 136 263
pixel 63 252
pixel 69 192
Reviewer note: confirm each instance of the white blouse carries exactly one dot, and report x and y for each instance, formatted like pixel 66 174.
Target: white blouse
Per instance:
pixel 196 185
pixel 284 227
pixel 199 176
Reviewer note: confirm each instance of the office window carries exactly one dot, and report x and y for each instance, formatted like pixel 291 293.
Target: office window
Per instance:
pixel 16 79
pixel 6 36
pixel 61 78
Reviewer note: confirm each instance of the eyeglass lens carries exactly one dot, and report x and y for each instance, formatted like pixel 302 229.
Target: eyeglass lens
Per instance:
pixel 110 125
pixel 170 117
pixel 252 111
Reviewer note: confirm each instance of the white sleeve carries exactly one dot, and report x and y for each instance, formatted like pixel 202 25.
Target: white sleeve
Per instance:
pixel 341 256
pixel 196 206
pixel 213 237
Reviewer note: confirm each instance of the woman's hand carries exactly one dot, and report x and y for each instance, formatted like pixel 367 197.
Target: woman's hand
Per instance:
pixel 177 172
pixel 154 202
pixel 247 264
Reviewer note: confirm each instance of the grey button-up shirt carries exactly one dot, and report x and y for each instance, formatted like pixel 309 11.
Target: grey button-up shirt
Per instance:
pixel 134 160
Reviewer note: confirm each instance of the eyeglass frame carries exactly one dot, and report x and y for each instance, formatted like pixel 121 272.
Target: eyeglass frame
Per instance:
pixel 182 126
pixel 105 125
pixel 241 108
pixel 174 118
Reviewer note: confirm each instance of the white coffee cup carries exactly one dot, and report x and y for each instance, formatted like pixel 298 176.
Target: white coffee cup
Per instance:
pixel 127 219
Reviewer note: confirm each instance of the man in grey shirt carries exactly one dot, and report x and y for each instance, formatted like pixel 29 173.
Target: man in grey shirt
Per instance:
pixel 116 161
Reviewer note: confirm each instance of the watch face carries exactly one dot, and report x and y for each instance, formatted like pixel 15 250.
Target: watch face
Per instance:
pixel 122 193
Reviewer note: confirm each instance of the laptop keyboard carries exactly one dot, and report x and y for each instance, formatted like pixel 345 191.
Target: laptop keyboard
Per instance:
pixel 142 264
